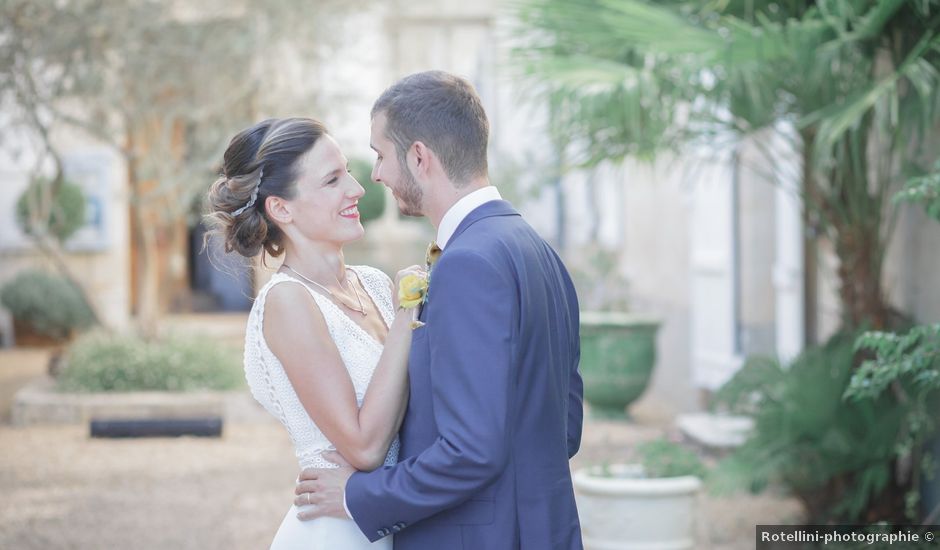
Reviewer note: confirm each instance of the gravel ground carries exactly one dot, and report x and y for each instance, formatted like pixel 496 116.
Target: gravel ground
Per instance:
pixel 62 489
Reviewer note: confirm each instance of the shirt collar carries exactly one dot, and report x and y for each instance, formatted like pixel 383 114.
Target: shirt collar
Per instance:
pixel 461 209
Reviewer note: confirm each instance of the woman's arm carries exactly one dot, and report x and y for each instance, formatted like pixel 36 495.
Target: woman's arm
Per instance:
pixel 296 332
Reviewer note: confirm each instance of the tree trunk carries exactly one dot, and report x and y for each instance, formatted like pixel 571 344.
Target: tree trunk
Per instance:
pixel 146 276
pixel 146 290
pixel 860 282
pixel 858 216
pixel 841 205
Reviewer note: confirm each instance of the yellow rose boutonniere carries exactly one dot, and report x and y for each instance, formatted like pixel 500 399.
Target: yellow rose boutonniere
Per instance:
pixel 412 292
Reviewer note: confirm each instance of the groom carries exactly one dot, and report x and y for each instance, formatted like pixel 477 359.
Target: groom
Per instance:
pixel 495 407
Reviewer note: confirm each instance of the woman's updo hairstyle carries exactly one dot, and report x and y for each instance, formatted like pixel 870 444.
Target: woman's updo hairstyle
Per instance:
pixel 260 162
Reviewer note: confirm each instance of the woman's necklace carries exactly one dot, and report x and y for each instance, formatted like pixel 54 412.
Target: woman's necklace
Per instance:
pixel 361 309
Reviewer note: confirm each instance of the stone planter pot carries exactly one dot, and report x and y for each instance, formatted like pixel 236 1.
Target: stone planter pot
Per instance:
pixel 621 511
pixel 41 403
pixel 26 336
pixel 618 352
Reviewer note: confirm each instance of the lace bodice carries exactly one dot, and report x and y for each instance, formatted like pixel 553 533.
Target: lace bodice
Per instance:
pixel 359 350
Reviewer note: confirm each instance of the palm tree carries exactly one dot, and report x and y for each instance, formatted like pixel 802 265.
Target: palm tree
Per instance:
pixel 852 85
pixel 855 81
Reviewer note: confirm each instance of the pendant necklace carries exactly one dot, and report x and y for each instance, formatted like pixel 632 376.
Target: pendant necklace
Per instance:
pixel 361 309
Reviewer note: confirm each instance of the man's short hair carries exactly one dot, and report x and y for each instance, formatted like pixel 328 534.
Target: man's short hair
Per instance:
pixel 444 112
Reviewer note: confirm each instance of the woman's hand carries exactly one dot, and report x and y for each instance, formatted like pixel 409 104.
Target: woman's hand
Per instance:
pixel 411 270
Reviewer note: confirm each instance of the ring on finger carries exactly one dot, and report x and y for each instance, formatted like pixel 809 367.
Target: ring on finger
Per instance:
pixel 308 498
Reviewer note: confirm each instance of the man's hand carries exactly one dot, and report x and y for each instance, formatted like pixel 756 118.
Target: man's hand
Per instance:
pixel 320 491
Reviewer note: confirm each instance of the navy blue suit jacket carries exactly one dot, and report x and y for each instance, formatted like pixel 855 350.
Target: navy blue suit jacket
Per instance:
pixel 496 402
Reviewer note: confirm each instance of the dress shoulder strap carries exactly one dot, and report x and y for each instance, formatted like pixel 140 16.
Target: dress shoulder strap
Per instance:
pixel 279 278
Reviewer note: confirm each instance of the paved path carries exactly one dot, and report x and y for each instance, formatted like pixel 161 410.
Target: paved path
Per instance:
pixel 62 489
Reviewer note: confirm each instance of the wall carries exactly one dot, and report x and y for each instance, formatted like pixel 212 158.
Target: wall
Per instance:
pixel 913 264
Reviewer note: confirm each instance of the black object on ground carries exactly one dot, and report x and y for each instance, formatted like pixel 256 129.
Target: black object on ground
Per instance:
pixel 157 427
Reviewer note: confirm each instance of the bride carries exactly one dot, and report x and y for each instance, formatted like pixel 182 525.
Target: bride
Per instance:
pixel 326 348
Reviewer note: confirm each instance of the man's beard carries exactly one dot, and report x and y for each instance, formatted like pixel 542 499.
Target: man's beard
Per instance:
pixel 410 195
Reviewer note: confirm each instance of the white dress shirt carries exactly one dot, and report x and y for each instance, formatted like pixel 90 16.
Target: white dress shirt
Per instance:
pixel 449 223
pixel 461 209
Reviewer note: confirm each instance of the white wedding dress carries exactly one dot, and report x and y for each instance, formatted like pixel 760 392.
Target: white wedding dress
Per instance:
pixel 270 386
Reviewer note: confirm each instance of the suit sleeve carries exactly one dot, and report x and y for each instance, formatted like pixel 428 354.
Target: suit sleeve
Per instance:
pixel 470 326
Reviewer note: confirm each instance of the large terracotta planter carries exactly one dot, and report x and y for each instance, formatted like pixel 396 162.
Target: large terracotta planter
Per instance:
pixel 621 511
pixel 618 352
pixel 26 336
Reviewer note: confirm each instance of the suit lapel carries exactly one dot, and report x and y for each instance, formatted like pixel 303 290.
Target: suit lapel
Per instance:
pixel 485 210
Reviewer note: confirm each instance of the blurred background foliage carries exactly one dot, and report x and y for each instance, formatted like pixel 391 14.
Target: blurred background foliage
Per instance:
pixel 103 362
pixel 165 85
pixel 852 87
pixel 836 456
pixel 56 208
pixel 372 204
pixel 46 304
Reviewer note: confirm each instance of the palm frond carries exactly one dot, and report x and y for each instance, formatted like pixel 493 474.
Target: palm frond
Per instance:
pixel 836 119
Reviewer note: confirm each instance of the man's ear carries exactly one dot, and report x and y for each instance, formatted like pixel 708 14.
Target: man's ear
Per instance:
pixel 278 210
pixel 419 159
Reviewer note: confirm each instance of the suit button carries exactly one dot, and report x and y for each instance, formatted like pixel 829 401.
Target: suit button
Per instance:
pixel 396 528
pixel 380 532
pixel 400 524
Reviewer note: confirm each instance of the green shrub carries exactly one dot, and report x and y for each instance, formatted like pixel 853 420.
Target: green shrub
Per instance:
pixel 101 362
pixel 924 190
pixel 372 203
pixel 906 365
pixel 50 304
pixel 63 219
pixel 663 458
pixel 836 456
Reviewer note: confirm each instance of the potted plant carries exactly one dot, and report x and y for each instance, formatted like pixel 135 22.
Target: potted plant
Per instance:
pixel 127 385
pixel 644 505
pixel 47 310
pixel 618 349
pixel 618 353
